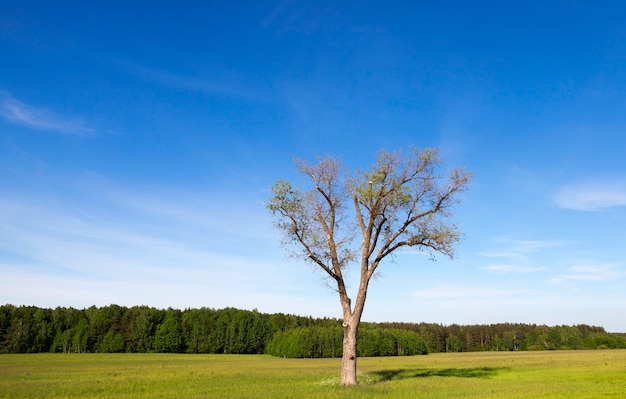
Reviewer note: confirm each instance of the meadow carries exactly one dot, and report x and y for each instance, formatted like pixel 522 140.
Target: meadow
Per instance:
pixel 554 374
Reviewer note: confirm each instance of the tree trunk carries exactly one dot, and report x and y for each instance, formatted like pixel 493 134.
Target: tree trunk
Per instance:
pixel 348 361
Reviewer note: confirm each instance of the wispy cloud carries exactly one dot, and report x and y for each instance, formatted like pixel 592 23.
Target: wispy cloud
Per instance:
pixel 98 256
pixel 519 248
pixel 202 210
pixel 306 19
pixel 19 113
pixel 503 269
pixel 222 83
pixel 516 256
pixel 592 195
pixel 589 271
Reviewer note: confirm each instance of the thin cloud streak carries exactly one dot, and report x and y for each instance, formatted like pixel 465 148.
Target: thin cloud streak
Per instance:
pixel 520 248
pixel 83 243
pixel 589 272
pixel 18 113
pixel 105 260
pixel 503 269
pixel 290 16
pixel 517 256
pixel 225 84
pixel 591 196
pixel 54 256
pixel 203 210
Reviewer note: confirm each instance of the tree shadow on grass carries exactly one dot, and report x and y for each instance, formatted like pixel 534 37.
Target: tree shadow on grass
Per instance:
pixel 402 374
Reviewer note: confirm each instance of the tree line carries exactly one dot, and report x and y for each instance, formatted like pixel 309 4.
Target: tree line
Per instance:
pixel 512 337
pixel 141 329
pixel 322 342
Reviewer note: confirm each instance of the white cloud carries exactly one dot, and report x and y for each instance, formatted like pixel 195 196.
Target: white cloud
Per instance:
pixel 502 269
pixel 81 253
pixel 519 248
pixel 290 16
pixel 216 210
pixel 94 257
pixel 592 195
pixel 220 82
pixel 131 230
pixel 517 255
pixel 589 272
pixel 19 113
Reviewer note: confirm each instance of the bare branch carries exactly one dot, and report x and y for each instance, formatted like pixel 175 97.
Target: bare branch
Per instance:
pixel 401 201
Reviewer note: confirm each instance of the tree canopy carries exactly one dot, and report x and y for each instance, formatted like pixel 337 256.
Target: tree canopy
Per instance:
pixel 403 200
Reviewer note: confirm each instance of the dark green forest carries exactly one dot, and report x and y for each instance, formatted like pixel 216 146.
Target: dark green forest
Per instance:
pixel 141 329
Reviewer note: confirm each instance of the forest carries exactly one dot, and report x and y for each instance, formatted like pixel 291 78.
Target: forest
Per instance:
pixel 141 329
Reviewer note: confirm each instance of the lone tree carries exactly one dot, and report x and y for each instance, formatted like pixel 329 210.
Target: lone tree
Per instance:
pixel 403 201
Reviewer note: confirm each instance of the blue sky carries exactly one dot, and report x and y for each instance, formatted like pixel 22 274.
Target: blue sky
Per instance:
pixel 138 143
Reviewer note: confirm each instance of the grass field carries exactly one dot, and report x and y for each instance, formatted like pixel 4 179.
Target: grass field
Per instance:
pixel 564 374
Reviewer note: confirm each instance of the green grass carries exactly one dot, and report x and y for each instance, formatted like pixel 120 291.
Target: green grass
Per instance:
pixel 574 374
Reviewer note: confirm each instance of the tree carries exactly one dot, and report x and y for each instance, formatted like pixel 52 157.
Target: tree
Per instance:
pixel 197 325
pixel 168 337
pixel 402 201
pixel 112 342
pixel 144 327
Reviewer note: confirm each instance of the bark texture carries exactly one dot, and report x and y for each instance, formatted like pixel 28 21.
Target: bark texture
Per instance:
pixel 348 360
